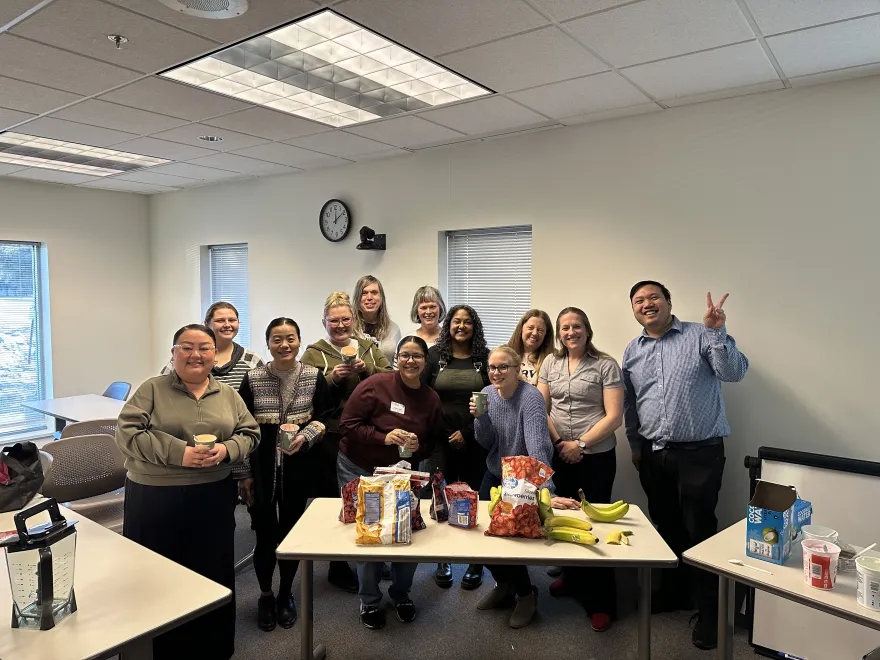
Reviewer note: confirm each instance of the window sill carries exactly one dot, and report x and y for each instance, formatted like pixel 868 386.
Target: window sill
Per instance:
pixel 40 437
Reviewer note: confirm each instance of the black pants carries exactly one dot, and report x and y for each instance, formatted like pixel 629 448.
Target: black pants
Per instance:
pixel 457 463
pixel 517 575
pixel 682 483
pixel 594 588
pixel 193 526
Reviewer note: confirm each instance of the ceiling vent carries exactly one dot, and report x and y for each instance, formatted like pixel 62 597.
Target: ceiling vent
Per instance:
pixel 208 8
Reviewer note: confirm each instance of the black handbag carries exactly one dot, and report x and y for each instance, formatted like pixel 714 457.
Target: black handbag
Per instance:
pixel 25 475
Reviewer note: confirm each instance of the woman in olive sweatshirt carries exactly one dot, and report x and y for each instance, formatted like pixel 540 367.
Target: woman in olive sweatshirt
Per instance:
pixel 174 487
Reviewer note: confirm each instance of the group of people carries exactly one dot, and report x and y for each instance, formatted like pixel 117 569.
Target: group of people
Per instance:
pixel 362 392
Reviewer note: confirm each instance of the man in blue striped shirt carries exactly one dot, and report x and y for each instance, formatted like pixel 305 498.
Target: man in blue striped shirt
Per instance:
pixel 675 423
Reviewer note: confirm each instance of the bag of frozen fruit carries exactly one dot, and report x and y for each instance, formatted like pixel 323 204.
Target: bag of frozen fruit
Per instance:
pixel 384 506
pixel 462 502
pixel 517 512
pixel 348 512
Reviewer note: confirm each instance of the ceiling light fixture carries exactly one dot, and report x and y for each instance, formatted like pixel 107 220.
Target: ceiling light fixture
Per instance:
pixel 208 8
pixel 211 138
pixel 330 69
pixel 49 154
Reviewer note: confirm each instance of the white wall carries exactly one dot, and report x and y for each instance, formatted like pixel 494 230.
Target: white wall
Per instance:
pixel 770 197
pixel 97 245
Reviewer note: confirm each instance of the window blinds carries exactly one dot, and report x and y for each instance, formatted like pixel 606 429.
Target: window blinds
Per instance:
pixel 229 282
pixel 491 270
pixel 21 355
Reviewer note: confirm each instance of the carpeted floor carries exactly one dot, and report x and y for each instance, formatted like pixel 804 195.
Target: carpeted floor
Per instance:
pixel 449 625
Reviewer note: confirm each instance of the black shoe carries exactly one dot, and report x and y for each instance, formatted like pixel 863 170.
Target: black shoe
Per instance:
pixel 406 610
pixel 554 571
pixel 286 611
pixel 266 613
pixel 343 577
pixel 443 575
pixel 386 572
pixel 705 635
pixel 372 617
pixel 473 577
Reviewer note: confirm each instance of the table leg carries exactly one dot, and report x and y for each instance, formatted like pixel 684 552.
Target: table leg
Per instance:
pixel 139 649
pixel 726 612
pixel 644 614
pixel 308 651
pixel 60 424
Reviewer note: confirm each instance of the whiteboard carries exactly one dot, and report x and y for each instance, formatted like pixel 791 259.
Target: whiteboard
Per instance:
pixel 849 503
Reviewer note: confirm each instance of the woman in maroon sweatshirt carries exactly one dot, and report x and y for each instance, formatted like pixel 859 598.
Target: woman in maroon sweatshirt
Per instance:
pixel 386 413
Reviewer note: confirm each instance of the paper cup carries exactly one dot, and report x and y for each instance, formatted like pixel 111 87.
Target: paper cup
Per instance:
pixel 205 440
pixel 481 401
pixel 819 533
pixel 820 563
pixel 868 579
pixel 349 354
pixel 287 433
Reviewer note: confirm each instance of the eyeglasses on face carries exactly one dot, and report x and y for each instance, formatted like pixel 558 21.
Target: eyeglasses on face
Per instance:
pixel 500 368
pixel 337 322
pixel 415 357
pixel 189 349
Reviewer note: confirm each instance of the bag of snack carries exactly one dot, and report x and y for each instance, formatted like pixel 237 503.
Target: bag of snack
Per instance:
pixel 439 507
pixel 384 510
pixel 349 501
pixel 462 502
pixel 417 480
pixel 516 514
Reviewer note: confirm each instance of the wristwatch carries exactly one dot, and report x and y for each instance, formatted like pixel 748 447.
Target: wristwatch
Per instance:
pixel 582 445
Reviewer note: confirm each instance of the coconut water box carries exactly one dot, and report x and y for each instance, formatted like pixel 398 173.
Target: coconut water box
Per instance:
pixel 775 517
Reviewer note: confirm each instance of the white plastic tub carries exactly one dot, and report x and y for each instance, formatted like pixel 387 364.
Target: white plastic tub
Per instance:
pixel 868 576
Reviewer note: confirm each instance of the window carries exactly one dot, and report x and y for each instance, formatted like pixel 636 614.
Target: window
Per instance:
pixel 229 282
pixel 491 270
pixel 21 345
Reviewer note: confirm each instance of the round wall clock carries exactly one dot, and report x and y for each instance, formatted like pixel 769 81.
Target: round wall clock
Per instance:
pixel 335 220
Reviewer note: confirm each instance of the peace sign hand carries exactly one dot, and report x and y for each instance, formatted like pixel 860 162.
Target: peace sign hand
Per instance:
pixel 714 316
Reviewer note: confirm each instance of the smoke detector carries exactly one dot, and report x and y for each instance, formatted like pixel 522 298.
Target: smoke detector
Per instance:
pixel 208 8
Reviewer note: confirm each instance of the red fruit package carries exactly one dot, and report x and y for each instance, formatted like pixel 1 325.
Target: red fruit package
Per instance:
pixel 439 508
pixel 462 502
pixel 517 512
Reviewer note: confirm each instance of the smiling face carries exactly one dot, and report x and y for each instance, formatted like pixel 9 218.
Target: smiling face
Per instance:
pixel 503 371
pixel 339 324
pixel 193 356
pixel 411 361
pixel 461 327
pixel 533 334
pixel 429 314
pixel 224 323
pixel 573 333
pixel 651 309
pixel 371 299
pixel 284 344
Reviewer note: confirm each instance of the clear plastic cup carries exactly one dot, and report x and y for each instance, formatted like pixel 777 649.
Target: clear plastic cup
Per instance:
pixel 820 563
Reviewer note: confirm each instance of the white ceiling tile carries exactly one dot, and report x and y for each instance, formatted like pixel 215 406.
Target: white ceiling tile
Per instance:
pixel 269 124
pixel 175 99
pixel 241 164
pixel 52 176
pixel 12 9
pixel 339 143
pixel 9 168
pixel 700 73
pixel 834 76
pixel 404 132
pixel 148 146
pixel 10 117
pixel 582 96
pixel 562 10
pixel 118 117
pixel 527 60
pixel 654 29
pixel 837 46
pixel 431 28
pixel 259 17
pixel 617 113
pixel 154 178
pixel 126 186
pixel 284 154
pixel 726 93
pixel 377 155
pixel 82 26
pixel 190 133
pixel 24 96
pixel 44 65
pixel 190 171
pixel 69 131
pixel 774 16
pixel 484 116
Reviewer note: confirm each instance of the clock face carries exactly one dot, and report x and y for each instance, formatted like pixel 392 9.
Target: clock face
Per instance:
pixel 335 220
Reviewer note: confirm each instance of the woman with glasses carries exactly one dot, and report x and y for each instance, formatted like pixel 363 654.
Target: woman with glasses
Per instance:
pixel 371 316
pixel 583 391
pixel 533 341
pixel 428 310
pixel 172 485
pixel 283 392
pixel 385 415
pixel 456 369
pixel 342 375
pixel 514 424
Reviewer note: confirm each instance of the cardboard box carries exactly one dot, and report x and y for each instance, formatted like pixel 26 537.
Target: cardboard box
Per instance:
pixel 775 517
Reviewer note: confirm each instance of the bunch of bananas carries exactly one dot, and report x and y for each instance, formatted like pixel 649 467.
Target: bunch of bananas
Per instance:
pixel 545 505
pixel 495 498
pixel 606 514
pixel 568 528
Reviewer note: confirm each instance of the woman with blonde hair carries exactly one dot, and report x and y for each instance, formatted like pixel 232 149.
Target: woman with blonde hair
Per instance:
pixel 428 310
pixel 533 341
pixel 371 316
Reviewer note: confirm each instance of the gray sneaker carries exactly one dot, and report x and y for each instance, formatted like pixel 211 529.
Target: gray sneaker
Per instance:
pixel 525 609
pixel 502 595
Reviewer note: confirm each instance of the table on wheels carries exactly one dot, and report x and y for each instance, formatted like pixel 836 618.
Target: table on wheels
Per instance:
pixel 125 594
pixel 79 408
pixel 319 536
pixel 785 581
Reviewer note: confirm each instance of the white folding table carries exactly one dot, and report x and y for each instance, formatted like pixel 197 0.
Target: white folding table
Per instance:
pixel 319 536
pixel 77 408
pixel 125 594
pixel 786 581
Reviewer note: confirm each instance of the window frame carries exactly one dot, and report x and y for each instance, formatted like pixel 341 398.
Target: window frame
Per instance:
pixel 209 297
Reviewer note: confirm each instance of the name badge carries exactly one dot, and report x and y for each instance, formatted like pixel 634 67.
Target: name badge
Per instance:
pixel 397 407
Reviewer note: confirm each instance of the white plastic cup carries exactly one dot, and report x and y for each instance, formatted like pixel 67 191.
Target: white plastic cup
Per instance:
pixel 820 533
pixel 820 563
pixel 868 579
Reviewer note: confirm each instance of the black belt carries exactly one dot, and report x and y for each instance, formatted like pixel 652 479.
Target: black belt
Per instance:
pixel 708 442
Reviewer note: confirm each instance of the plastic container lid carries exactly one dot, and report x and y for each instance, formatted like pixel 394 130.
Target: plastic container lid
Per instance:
pixel 869 564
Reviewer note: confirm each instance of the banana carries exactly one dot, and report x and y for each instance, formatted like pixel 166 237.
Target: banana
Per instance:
pixel 572 536
pixel 495 494
pixel 599 515
pixel 608 507
pixel 619 537
pixel 567 521
pixel 545 506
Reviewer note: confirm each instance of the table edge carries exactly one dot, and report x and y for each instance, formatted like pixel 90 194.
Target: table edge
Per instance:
pixel 483 559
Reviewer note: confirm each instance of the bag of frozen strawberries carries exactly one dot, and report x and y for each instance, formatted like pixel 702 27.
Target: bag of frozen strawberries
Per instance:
pixel 517 512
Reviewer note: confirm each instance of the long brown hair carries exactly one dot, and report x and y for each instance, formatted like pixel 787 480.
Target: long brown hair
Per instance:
pixel 546 347
pixel 383 321
pixel 591 349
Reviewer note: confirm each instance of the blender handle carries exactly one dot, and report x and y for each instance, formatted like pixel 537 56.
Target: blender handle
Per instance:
pixel 50 505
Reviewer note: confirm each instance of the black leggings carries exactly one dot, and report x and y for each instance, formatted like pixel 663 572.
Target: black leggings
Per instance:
pixel 516 576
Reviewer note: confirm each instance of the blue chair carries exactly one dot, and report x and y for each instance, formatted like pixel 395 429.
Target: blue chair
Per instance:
pixel 117 390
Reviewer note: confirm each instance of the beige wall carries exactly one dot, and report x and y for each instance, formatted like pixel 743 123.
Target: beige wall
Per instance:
pixel 770 197
pixel 97 244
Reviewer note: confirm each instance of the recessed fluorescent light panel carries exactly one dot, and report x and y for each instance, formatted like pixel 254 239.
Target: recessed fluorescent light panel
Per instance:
pixel 49 154
pixel 327 68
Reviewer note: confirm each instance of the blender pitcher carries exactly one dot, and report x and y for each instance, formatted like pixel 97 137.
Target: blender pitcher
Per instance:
pixel 41 563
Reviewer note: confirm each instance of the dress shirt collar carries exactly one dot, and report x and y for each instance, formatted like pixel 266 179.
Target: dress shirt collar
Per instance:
pixel 676 325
